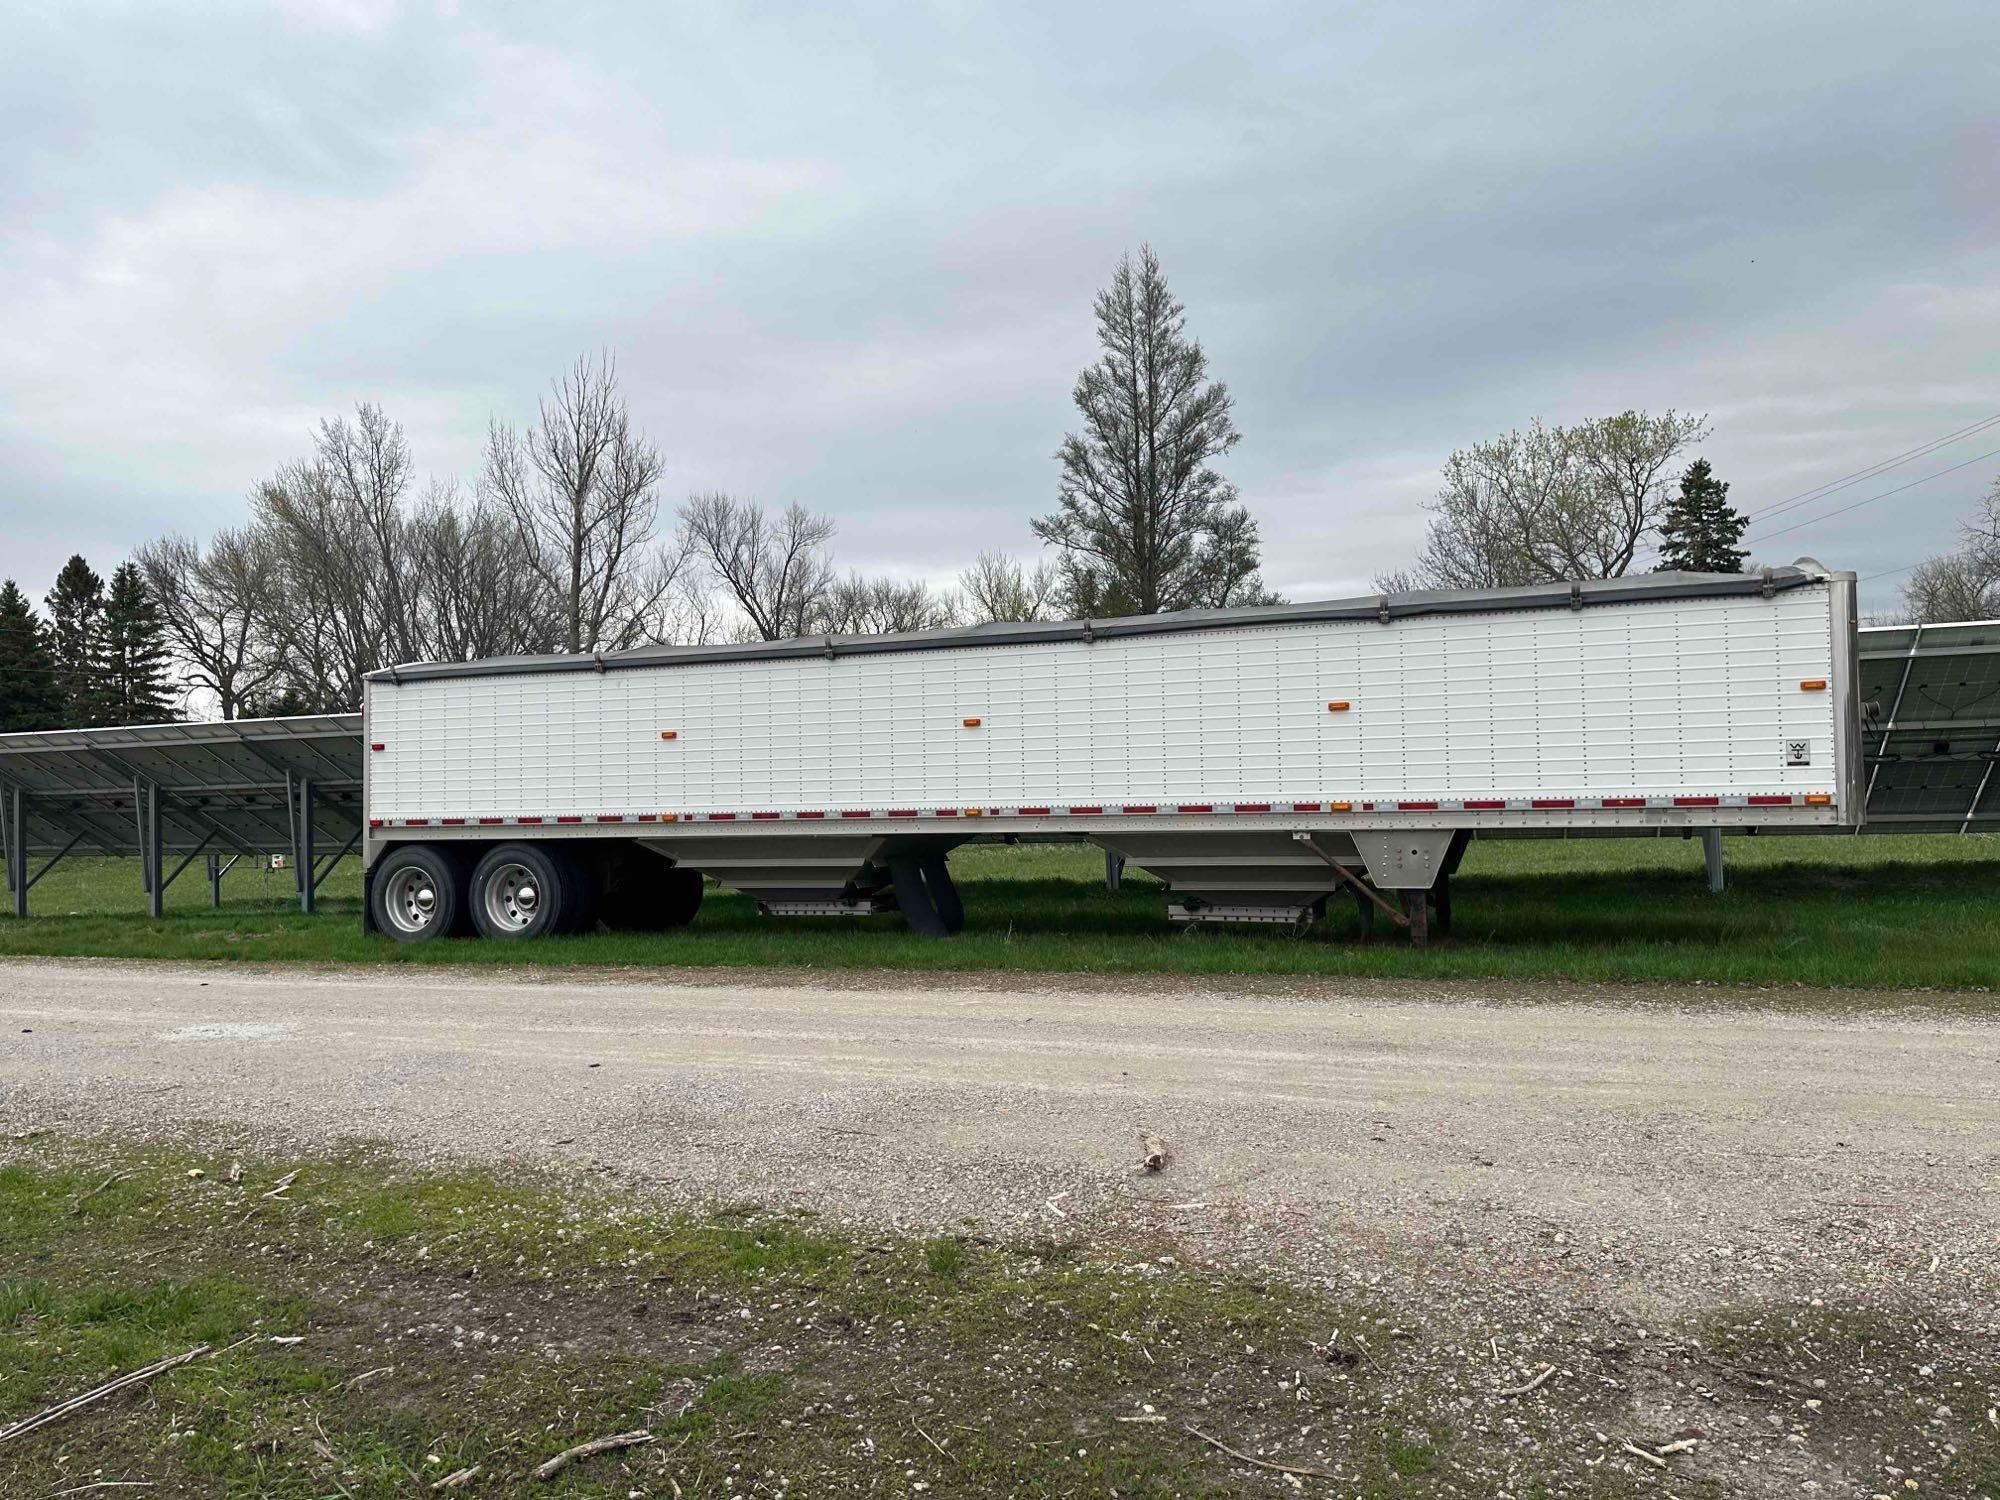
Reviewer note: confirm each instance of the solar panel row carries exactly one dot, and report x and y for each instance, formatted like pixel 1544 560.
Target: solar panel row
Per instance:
pixel 248 787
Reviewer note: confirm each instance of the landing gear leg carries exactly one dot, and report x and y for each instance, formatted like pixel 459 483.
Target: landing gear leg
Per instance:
pixel 944 894
pixel 1364 912
pixel 1417 907
pixel 926 896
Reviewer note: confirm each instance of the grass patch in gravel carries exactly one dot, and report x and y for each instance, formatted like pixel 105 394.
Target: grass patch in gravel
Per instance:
pixel 383 1328
pixel 380 1328
pixel 1892 912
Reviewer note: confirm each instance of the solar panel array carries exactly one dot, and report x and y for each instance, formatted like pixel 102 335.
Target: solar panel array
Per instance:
pixel 247 787
pixel 1935 734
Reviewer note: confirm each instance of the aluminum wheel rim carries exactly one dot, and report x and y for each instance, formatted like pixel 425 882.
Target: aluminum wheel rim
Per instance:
pixel 512 897
pixel 410 902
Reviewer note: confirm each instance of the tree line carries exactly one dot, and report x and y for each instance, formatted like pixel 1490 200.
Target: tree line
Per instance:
pixel 348 561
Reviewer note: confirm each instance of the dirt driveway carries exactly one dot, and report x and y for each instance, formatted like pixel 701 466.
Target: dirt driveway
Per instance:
pixel 1611 1123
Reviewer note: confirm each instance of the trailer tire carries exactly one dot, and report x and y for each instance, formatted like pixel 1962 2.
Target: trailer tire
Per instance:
pixel 416 892
pixel 659 899
pixel 530 890
pixel 914 899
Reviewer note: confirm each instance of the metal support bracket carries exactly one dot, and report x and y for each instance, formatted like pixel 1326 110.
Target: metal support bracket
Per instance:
pixel 326 865
pixel 1361 887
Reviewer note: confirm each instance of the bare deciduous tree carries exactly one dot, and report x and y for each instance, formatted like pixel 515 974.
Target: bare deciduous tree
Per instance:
pixel 1628 460
pixel 479 596
pixel 213 604
pixel 997 587
pixel 1961 585
pixel 882 606
pixel 581 487
pixel 775 568
pixel 333 523
pixel 1551 503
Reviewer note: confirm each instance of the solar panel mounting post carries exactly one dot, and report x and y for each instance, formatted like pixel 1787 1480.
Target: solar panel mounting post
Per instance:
pixel 302 852
pixel 17 848
pixel 154 857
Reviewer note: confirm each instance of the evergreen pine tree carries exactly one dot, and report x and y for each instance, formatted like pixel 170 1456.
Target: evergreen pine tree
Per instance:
pixel 1143 522
pixel 76 640
pixel 133 664
pixel 29 698
pixel 1700 530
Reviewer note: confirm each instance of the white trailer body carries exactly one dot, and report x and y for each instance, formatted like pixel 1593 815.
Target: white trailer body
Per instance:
pixel 1243 754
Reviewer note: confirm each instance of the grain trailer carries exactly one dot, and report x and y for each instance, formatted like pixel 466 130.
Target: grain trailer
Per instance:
pixel 1260 760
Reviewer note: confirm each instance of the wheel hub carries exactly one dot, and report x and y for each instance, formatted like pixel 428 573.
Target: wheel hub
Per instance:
pixel 512 898
pixel 410 903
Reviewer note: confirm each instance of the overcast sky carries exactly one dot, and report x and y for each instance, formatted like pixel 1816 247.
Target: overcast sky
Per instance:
pixel 845 254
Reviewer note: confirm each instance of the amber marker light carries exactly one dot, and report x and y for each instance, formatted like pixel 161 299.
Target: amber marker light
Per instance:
pixel 1339 706
pixel 670 734
pixel 1813 685
pixel 1819 799
pixel 972 723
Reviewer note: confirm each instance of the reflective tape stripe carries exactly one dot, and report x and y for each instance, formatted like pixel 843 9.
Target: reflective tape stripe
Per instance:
pixel 1136 809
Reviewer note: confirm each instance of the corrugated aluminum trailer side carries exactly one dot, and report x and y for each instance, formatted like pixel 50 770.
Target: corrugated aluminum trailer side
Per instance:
pixel 1259 760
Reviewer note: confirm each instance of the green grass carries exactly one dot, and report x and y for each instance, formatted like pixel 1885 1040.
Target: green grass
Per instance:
pixel 375 1327
pixel 379 1328
pixel 1893 911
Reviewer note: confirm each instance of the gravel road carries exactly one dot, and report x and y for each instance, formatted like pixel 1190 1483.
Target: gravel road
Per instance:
pixel 1765 1224
pixel 1405 1119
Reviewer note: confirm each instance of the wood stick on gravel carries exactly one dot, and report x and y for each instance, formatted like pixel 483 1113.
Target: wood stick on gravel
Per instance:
pixel 1155 1151
pixel 62 1409
pixel 455 1478
pixel 282 1183
pixel 1541 1376
pixel 590 1449
pixel 1652 1458
pixel 1261 1463
pixel 932 1441
pixel 1680 1445
pixel 113 1180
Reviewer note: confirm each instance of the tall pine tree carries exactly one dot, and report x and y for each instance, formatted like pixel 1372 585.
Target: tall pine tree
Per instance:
pixel 76 640
pixel 29 698
pixel 1700 530
pixel 1143 522
pixel 132 669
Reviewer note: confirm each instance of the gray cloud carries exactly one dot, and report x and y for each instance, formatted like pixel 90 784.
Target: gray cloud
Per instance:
pixel 847 258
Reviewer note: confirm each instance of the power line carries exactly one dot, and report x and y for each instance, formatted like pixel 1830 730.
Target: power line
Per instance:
pixel 1843 510
pixel 1833 486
